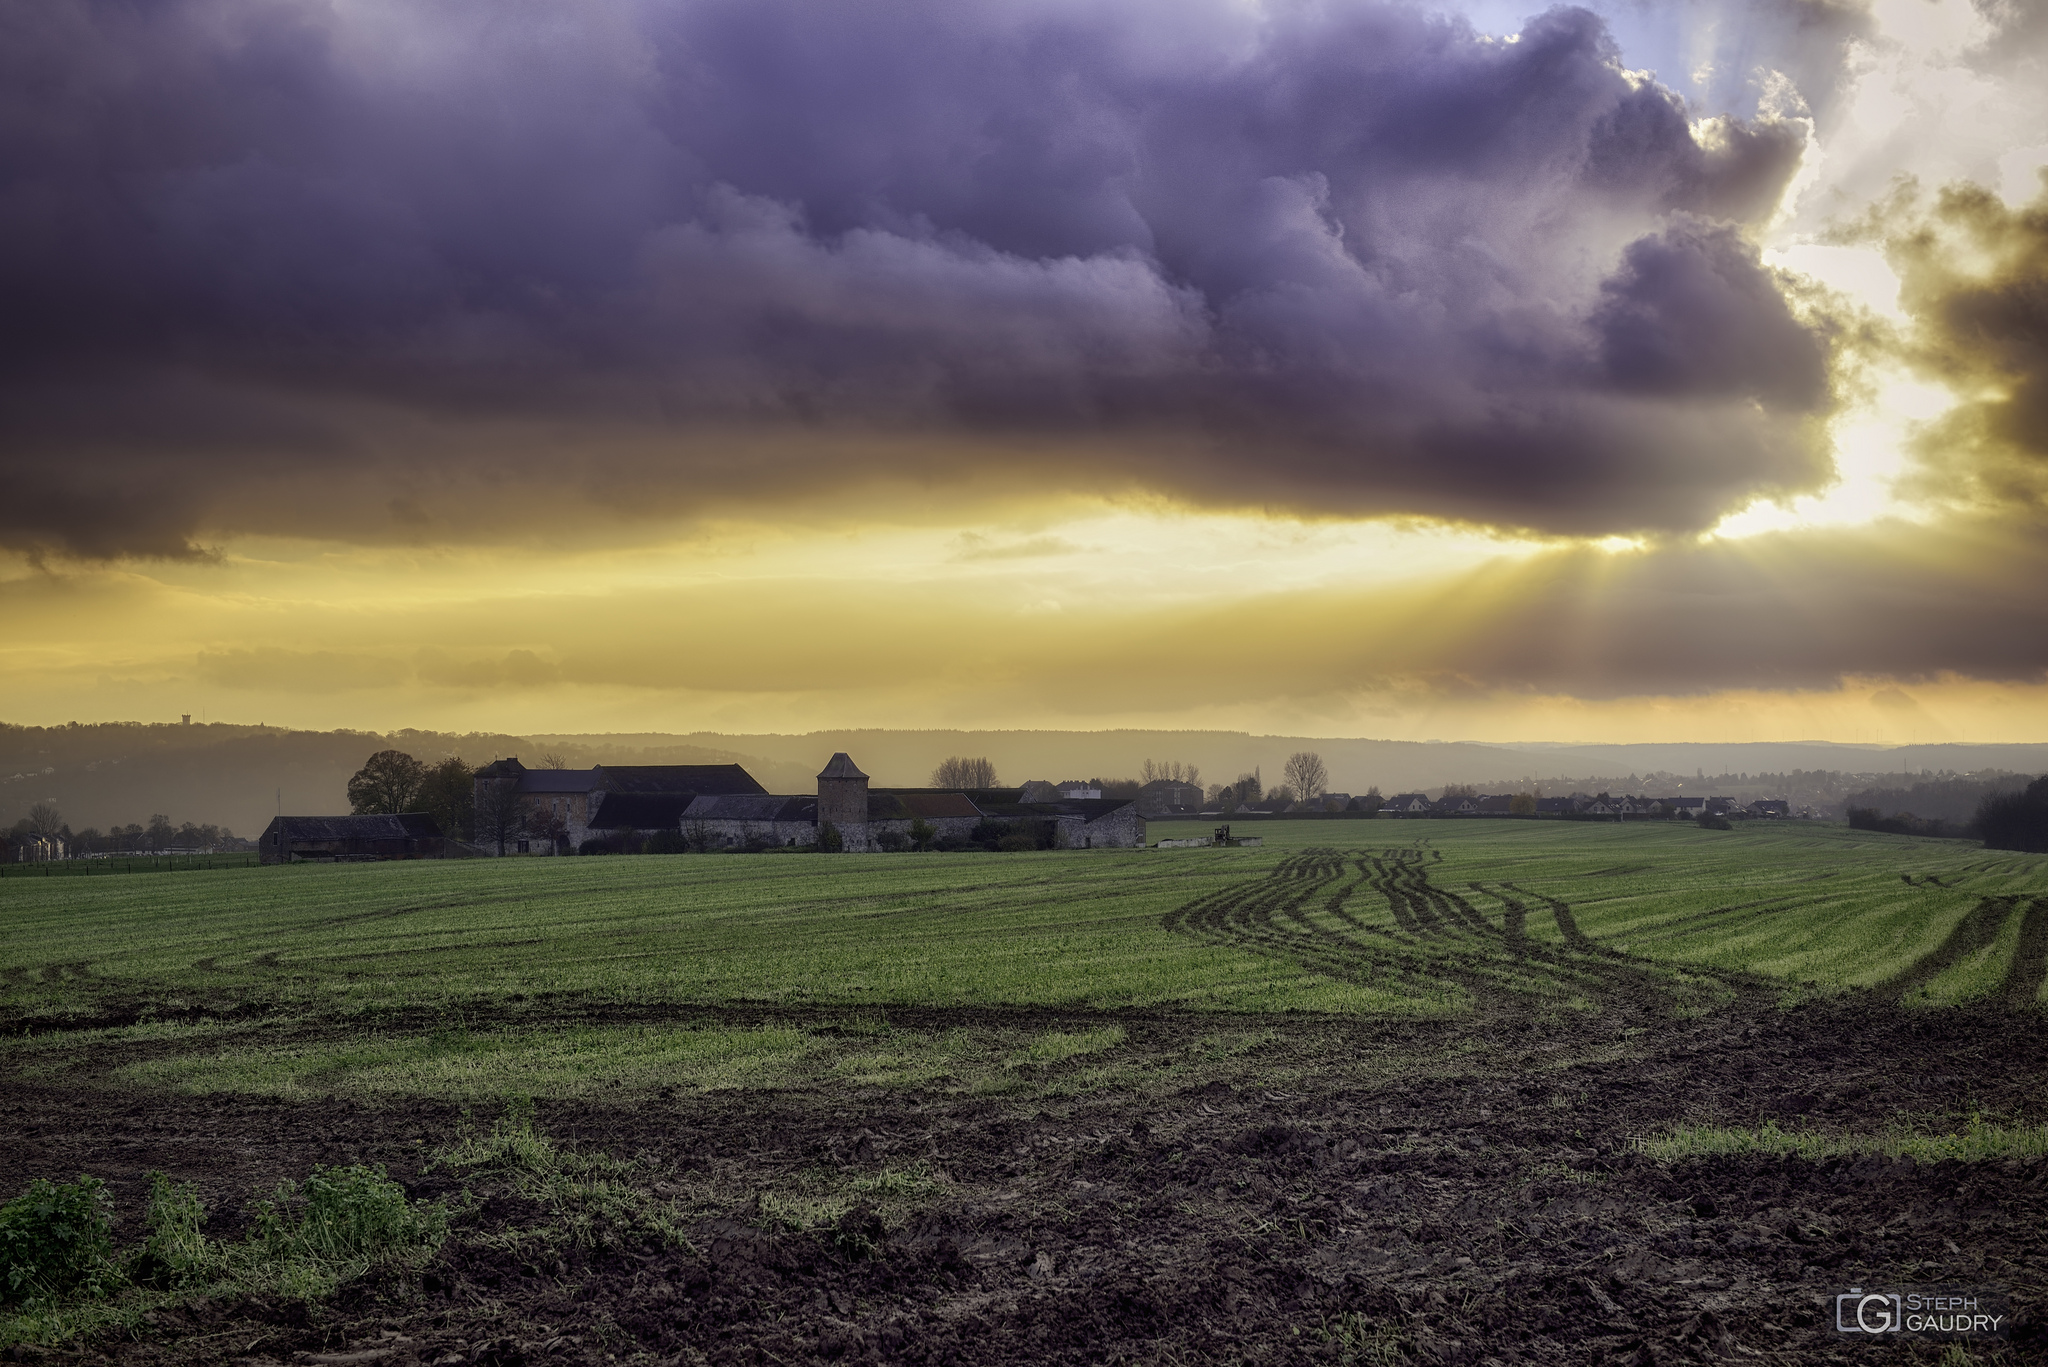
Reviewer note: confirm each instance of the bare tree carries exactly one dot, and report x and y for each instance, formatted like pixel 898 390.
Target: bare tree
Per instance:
pixel 500 811
pixel 1307 775
pixel 1172 770
pixel 45 819
pixel 962 773
pixel 553 759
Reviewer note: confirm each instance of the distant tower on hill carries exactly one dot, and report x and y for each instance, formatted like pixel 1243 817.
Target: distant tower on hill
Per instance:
pixel 843 801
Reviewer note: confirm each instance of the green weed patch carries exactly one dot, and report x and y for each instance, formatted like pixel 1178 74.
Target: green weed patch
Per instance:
pixel 592 1200
pixel 308 1240
pixel 1978 1143
pixel 55 1242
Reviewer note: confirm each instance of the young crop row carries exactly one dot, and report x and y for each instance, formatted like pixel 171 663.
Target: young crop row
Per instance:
pixel 1814 908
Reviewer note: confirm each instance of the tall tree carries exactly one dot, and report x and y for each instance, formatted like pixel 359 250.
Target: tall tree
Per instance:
pixel 448 794
pixel 1307 775
pixel 962 773
pixel 389 781
pixel 500 812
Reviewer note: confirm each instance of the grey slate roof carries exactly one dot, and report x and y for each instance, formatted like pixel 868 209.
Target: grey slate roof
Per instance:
pixel 751 807
pixel 406 826
pixel 640 811
pixel 840 766
pixel 557 780
pixel 676 778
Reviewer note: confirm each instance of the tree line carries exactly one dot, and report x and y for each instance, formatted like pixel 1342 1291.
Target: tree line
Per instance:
pixel 2016 821
pixel 1304 778
pixel 44 819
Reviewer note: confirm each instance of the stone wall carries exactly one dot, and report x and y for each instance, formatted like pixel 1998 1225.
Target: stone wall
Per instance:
pixel 1122 829
pixel 718 833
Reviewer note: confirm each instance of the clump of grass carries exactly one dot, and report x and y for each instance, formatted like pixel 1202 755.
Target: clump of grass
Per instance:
pixel 56 1241
pixel 513 1146
pixel 1055 1046
pixel 176 1249
pixel 589 1195
pixel 824 1199
pixel 1979 1142
pixel 1360 1340
pixel 915 1183
pixel 341 1221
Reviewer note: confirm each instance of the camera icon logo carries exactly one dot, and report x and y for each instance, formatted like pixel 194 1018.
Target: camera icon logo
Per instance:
pixel 1875 1312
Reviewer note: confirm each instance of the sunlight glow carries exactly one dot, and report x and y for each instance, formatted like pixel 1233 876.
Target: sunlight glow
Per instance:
pixel 1861 273
pixel 1870 458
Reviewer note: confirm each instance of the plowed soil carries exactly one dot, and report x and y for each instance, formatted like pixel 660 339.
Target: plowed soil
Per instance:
pixel 1486 1203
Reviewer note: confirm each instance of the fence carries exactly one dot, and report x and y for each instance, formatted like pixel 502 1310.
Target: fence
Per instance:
pixel 130 863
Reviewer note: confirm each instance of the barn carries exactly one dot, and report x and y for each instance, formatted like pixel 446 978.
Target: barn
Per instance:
pixel 351 839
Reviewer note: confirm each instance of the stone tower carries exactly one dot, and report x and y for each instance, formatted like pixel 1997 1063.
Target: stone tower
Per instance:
pixel 843 801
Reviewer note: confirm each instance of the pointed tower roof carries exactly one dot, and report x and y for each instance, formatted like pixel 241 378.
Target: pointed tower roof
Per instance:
pixel 841 767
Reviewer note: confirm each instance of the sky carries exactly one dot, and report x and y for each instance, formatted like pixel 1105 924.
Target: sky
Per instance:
pixel 1634 371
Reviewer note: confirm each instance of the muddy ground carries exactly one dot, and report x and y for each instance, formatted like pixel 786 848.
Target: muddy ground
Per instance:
pixel 1487 1205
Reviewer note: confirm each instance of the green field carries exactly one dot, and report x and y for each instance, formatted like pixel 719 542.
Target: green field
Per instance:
pixel 562 975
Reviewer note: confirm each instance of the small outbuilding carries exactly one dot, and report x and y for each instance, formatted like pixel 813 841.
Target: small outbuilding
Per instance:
pixel 351 839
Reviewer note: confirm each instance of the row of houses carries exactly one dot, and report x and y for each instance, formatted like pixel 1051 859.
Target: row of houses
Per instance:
pixel 710 807
pixel 1505 804
pixel 1581 804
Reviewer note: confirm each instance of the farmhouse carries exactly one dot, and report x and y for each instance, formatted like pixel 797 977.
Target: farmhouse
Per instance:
pixel 566 807
pixel 35 849
pixel 410 835
pixel 1164 797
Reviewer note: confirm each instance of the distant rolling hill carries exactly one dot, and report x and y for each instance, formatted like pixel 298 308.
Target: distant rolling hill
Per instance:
pixel 116 773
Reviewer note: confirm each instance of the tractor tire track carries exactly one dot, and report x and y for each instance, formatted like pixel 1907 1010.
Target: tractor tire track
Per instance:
pixel 1978 928
pixel 1299 912
pixel 1561 912
pixel 1515 921
pixel 2029 969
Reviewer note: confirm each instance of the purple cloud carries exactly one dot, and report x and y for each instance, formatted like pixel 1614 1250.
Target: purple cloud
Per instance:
pixel 1388 263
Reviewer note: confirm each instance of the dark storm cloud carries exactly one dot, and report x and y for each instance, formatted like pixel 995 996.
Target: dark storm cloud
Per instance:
pixel 340 269
pixel 1974 276
pixel 1691 313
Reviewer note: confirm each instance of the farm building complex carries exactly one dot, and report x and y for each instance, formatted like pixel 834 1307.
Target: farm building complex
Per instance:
pixel 720 806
